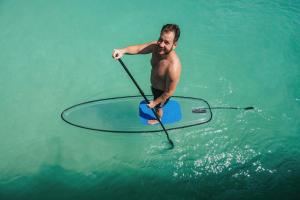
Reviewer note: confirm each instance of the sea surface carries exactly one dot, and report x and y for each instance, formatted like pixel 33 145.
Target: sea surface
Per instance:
pixel 54 54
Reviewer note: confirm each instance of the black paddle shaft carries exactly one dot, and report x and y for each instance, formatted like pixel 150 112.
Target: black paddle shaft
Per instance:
pixel 142 93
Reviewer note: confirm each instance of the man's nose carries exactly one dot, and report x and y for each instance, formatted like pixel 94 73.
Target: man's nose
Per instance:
pixel 162 44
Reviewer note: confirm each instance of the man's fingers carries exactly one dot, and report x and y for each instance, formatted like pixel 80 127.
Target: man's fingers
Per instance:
pixel 115 54
pixel 151 104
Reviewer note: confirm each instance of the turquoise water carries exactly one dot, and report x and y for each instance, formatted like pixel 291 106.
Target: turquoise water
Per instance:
pixel 56 54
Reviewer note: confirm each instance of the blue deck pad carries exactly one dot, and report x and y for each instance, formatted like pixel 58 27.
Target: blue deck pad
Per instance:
pixel 171 112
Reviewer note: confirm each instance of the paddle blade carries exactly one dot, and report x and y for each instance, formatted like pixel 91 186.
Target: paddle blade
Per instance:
pixel 199 110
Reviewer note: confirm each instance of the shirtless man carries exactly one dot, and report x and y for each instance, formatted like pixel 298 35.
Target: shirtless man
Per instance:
pixel 166 66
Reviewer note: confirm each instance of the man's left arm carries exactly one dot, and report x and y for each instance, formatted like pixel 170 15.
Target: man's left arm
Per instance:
pixel 172 81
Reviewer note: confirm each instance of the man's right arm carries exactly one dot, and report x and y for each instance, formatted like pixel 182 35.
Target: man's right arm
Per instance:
pixel 136 49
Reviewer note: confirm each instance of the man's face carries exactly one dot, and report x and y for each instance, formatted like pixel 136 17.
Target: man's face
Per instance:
pixel 166 43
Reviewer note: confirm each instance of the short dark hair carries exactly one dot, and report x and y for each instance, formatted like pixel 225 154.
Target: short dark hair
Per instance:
pixel 171 27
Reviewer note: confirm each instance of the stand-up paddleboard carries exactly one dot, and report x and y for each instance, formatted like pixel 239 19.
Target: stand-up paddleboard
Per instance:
pixel 123 114
pixel 171 113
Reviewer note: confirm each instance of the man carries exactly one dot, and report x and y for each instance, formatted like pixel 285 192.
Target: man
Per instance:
pixel 166 66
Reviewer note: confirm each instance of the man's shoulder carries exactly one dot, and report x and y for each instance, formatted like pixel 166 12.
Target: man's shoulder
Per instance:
pixel 174 68
pixel 175 61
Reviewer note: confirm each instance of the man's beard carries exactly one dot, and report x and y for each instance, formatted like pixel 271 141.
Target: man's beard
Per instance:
pixel 166 52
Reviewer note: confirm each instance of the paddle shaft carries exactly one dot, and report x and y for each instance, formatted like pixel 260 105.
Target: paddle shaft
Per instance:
pixel 142 93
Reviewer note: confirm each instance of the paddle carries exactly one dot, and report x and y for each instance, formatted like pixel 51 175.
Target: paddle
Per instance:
pixel 142 93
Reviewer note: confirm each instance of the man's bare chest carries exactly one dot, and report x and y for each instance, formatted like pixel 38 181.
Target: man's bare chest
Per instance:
pixel 159 67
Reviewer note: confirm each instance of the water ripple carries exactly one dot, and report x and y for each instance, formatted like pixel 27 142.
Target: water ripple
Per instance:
pixel 219 155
